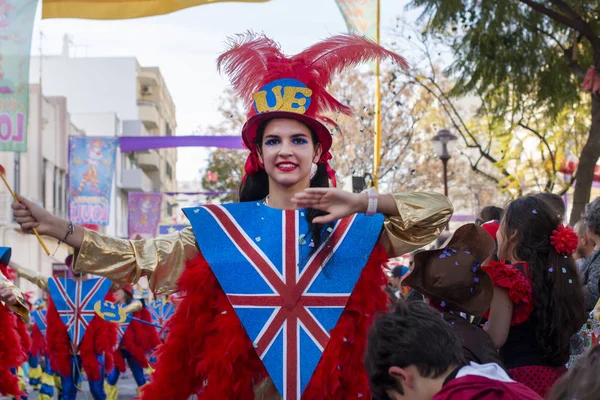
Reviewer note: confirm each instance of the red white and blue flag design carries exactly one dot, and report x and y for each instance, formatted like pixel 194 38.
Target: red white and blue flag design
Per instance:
pixel 39 318
pixel 288 292
pixel 161 311
pixel 74 300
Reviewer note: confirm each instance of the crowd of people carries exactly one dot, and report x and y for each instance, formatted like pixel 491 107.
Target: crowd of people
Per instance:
pixel 537 282
pixel 489 312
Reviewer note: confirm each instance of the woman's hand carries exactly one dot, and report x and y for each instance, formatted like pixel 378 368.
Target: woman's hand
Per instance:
pixel 29 215
pixel 7 295
pixel 336 203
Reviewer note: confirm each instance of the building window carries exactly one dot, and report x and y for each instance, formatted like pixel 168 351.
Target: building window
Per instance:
pixel 169 170
pixel 17 172
pixel 168 131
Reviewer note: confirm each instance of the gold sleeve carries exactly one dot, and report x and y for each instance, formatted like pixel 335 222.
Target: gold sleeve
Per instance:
pixel 32 276
pixel 133 307
pixel 161 260
pixel 422 216
pixel 20 307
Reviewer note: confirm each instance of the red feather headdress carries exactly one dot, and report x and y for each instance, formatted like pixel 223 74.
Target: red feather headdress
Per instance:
pixel 255 61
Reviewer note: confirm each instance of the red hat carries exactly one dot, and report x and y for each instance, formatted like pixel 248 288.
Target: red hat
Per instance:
pixel 128 289
pixel 278 86
pixel 492 227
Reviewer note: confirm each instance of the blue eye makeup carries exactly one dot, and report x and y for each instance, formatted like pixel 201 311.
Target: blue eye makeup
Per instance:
pixel 272 142
pixel 299 140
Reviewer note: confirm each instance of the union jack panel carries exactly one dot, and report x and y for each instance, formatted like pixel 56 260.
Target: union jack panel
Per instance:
pixel 161 312
pixel 288 292
pixel 39 318
pixel 74 300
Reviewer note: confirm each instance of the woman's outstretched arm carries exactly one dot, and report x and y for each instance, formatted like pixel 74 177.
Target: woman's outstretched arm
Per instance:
pixel 123 261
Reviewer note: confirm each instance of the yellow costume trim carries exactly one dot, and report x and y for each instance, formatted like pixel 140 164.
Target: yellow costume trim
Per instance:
pixel 112 391
pixel 44 397
pixel 48 380
pixel 35 373
pixel 57 382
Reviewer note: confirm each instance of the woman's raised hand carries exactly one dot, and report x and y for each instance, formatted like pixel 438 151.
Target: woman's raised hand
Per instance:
pixel 336 203
pixel 29 215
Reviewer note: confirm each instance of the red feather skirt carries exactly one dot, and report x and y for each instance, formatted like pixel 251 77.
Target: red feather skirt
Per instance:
pixel 12 353
pixel 208 353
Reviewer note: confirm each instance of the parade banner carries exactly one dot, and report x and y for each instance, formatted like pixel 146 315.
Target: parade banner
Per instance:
pixel 360 16
pixel 144 214
pixel 120 9
pixel 140 143
pixel 91 171
pixel 16 27
pixel 166 229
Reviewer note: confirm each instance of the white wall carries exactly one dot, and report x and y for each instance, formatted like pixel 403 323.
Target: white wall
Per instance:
pixel 99 85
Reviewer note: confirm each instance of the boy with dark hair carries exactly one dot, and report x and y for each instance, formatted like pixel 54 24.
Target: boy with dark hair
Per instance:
pixel 412 353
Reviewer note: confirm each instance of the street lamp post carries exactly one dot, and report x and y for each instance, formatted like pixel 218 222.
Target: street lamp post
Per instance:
pixel 442 142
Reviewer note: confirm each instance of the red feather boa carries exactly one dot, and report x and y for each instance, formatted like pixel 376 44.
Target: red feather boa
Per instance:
pixel 139 340
pixel 100 337
pixel 196 359
pixel 38 344
pixel 11 352
pixel 24 335
pixel 58 342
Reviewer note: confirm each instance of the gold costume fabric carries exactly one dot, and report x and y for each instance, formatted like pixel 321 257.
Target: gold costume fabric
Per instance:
pixel 19 307
pixel 422 217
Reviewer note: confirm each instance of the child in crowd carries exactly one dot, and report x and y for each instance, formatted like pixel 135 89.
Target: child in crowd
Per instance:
pixel 412 353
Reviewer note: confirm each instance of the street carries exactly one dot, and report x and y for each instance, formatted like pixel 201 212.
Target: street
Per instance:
pixel 127 390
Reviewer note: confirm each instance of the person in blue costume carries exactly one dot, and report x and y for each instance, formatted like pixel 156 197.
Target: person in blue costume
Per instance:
pixel 295 268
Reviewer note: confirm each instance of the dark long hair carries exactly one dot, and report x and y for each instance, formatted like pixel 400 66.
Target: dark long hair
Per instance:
pixel 558 297
pixel 256 187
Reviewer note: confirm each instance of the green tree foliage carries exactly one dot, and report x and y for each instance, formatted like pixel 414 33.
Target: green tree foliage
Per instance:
pixel 523 58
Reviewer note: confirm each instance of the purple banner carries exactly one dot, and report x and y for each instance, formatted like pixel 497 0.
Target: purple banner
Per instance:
pixel 144 214
pixel 140 143
pixel 213 193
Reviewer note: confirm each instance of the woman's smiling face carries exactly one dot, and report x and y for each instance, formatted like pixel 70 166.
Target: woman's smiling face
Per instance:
pixel 287 152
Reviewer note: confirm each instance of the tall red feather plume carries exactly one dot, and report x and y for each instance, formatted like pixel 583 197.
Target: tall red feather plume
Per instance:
pixel 248 60
pixel 255 60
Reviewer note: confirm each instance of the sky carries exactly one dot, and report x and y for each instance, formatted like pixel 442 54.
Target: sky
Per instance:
pixel 185 45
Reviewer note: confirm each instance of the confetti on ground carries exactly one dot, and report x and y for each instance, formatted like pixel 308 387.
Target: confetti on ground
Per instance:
pixel 534 212
pixel 564 270
pixel 550 269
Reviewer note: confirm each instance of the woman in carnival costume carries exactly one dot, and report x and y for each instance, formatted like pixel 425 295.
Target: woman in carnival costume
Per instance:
pixel 137 342
pixel 291 238
pixel 538 303
pixel 13 313
pixel 94 355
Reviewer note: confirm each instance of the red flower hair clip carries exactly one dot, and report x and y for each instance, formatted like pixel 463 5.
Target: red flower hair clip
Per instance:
pixel 564 240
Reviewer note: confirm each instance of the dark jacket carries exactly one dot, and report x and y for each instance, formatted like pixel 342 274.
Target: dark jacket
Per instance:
pixel 590 275
pixel 477 344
